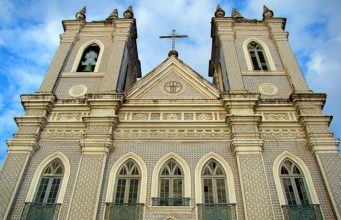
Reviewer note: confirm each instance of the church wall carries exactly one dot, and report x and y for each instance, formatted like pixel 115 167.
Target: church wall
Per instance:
pixel 64 84
pixel 10 173
pixel 85 197
pixel 190 151
pixel 252 84
pixel 71 151
pixel 297 146
pixel 330 165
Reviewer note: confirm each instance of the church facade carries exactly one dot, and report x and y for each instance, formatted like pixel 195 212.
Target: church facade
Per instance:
pixel 96 143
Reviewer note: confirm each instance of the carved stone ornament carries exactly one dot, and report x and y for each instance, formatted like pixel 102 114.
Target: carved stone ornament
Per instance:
pixel 276 117
pixel 129 13
pixel 268 89
pixel 267 13
pixel 173 87
pixel 219 12
pixel 81 15
pixel 236 14
pixel 113 15
pixel 78 90
pixel 141 134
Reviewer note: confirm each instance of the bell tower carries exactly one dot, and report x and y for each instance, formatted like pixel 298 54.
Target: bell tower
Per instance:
pixel 254 67
pixel 77 103
pixel 94 57
pixel 254 55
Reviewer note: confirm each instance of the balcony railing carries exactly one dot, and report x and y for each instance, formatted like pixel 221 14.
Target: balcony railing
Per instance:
pixel 217 211
pixel 124 211
pixel 165 201
pixel 40 211
pixel 306 212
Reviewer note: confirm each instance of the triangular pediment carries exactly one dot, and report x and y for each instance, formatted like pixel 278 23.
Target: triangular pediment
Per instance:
pixel 173 79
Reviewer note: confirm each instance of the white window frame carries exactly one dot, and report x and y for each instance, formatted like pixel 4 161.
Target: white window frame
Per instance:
pixel 214 178
pixel 267 55
pixel 306 173
pixel 183 166
pixel 113 176
pixel 229 177
pixel 171 179
pixel 128 179
pixel 37 174
pixel 80 53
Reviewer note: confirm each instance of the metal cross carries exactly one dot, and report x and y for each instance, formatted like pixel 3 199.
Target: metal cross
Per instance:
pixel 173 37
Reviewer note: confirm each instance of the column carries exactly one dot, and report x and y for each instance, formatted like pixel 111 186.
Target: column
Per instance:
pixel 290 64
pixel 95 147
pixel 247 146
pixel 72 29
pixel 118 51
pixel 22 147
pixel 226 35
pixel 321 142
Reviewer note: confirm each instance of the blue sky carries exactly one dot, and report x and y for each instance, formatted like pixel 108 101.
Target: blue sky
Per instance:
pixel 29 36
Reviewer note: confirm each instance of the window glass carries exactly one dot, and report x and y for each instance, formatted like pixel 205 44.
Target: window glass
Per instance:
pixel 127 183
pixel 257 56
pixel 214 183
pixel 50 181
pixel 171 184
pixel 293 184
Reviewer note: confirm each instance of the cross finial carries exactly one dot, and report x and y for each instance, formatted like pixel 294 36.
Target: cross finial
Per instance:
pixel 174 36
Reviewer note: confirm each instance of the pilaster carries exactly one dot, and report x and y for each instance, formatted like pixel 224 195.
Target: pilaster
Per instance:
pixel 223 30
pixel 94 147
pixel 121 35
pixel 280 37
pixel 23 146
pixel 247 146
pixel 70 35
pixel 321 142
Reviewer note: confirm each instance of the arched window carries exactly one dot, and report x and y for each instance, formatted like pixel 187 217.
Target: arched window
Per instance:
pixel 257 56
pixel 293 183
pixel 89 57
pixel 171 184
pixel 214 183
pixel 50 181
pixel 127 183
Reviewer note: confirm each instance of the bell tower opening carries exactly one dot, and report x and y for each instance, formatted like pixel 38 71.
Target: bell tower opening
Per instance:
pixel 89 59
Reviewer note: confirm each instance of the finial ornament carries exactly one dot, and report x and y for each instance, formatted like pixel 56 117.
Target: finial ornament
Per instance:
pixel 236 14
pixel 219 12
pixel 113 15
pixel 267 13
pixel 129 13
pixel 81 15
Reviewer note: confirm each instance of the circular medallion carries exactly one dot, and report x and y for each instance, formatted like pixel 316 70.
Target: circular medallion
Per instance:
pixel 268 89
pixel 78 90
pixel 173 87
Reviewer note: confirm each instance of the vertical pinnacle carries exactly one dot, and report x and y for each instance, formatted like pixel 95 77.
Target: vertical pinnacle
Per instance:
pixel 81 15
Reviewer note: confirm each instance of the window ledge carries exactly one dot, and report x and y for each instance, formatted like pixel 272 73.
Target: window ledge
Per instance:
pixel 177 209
pixel 81 74
pixel 263 73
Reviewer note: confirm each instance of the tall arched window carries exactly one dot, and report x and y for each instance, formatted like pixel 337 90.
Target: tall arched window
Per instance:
pixel 257 56
pixel 171 184
pixel 293 183
pixel 127 183
pixel 89 57
pixel 50 181
pixel 214 183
